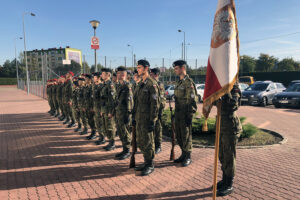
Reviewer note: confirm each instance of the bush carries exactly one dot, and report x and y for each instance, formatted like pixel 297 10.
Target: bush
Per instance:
pixel 8 81
pixel 248 129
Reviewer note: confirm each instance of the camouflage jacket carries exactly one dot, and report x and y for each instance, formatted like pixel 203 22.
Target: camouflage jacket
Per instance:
pixel 146 101
pixel 81 100
pixel 185 94
pixel 88 97
pixel 67 91
pixel 75 98
pixel 59 91
pixel 107 98
pixel 97 96
pixel 124 99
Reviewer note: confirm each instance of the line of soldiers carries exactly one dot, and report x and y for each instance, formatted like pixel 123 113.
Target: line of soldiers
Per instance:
pixel 111 104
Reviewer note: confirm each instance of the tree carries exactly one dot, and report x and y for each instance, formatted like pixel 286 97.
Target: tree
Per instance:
pixel 99 66
pixel 63 69
pixel 247 63
pixel 287 64
pixel 265 63
pixel 85 67
pixel 9 68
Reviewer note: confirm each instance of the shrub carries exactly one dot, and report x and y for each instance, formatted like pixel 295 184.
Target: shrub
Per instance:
pixel 8 81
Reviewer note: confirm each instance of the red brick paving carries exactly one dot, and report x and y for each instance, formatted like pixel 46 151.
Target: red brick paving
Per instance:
pixel 41 159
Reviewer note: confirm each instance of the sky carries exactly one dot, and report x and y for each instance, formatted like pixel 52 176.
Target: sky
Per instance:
pixel 150 26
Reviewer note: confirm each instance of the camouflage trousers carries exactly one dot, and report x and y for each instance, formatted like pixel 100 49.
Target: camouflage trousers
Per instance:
pixel 83 117
pixel 229 134
pixel 90 118
pixel 68 110
pixel 98 123
pixel 51 103
pixel 55 103
pixel 158 133
pixel 183 134
pixel 123 131
pixel 61 107
pixel 145 140
pixel 108 126
pixel 76 113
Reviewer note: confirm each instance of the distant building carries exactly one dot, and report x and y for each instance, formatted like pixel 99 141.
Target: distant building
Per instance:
pixel 54 56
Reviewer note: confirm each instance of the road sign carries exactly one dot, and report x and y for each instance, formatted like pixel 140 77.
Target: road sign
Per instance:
pixel 95 42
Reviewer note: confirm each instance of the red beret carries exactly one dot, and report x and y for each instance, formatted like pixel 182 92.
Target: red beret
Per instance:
pixel 70 72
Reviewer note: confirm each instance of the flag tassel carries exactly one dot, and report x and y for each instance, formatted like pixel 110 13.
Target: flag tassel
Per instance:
pixel 204 127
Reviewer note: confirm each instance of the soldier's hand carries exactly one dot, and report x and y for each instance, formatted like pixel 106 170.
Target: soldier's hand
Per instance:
pixel 151 126
pixel 109 115
pixel 101 114
pixel 188 120
pixel 70 103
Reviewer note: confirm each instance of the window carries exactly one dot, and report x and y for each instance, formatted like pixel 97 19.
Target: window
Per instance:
pixel 59 58
pixel 39 59
pixel 279 85
pixel 272 86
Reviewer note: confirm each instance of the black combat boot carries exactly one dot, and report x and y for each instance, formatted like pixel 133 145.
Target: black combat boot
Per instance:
pixel 67 120
pixel 148 169
pixel 72 124
pixel 110 146
pixel 78 129
pixel 124 154
pixel 62 118
pixel 57 114
pixel 157 148
pixel 187 159
pixel 100 141
pixel 118 155
pixel 85 131
pixel 141 167
pixel 92 136
pixel 227 187
pixel 221 182
pixel 181 158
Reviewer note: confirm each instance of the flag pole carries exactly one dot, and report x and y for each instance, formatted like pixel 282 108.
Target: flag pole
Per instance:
pixel 218 124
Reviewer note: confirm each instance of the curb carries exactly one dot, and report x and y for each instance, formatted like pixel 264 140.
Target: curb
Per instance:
pixel 283 141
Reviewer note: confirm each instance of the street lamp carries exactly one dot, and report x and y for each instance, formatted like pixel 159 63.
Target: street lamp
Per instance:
pixel 186 50
pixel 183 48
pixel 27 75
pixel 17 71
pixel 132 59
pixel 95 24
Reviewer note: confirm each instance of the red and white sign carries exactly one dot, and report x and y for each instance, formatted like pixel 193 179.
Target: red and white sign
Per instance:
pixel 95 42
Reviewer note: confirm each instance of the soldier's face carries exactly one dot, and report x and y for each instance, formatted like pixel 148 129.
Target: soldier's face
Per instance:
pixel 141 70
pixel 121 75
pixel 178 70
pixel 95 78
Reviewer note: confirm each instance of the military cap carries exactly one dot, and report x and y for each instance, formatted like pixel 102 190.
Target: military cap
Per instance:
pixel 145 63
pixel 70 72
pixel 75 83
pixel 155 70
pixel 81 79
pixel 62 76
pixel 98 74
pixel 179 63
pixel 106 70
pixel 121 69
pixel 135 71
pixel 54 79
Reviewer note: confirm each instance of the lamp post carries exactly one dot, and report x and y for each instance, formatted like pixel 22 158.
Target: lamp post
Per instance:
pixel 17 71
pixel 132 59
pixel 186 48
pixel 183 48
pixel 25 53
pixel 95 24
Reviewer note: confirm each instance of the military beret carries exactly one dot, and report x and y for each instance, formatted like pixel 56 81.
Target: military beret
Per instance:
pixel 135 71
pixel 155 70
pixel 62 76
pixel 121 69
pixel 106 70
pixel 145 63
pixel 54 79
pixel 70 72
pixel 114 74
pixel 179 63
pixel 81 79
pixel 89 76
pixel 97 74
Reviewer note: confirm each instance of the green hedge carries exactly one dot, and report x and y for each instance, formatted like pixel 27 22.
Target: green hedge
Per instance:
pixel 8 81
pixel 248 129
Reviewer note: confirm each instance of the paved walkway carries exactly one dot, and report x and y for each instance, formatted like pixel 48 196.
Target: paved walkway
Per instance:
pixel 41 159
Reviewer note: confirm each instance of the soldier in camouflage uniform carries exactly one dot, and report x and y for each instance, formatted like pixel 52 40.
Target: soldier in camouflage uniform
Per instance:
pixel 124 103
pixel 67 98
pixel 185 107
pixel 158 128
pixel 230 131
pixel 98 85
pixel 145 113
pixel 136 79
pixel 81 103
pixel 49 97
pixel 89 105
pixel 75 105
pixel 54 95
pixel 107 105
pixel 59 97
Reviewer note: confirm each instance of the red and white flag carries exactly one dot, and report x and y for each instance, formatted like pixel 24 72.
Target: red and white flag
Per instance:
pixel 223 61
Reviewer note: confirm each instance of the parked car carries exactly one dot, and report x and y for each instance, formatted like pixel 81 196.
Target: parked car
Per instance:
pixel 288 98
pixel 246 79
pixel 169 91
pixel 200 91
pixel 261 93
pixel 293 82
pixel 243 86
